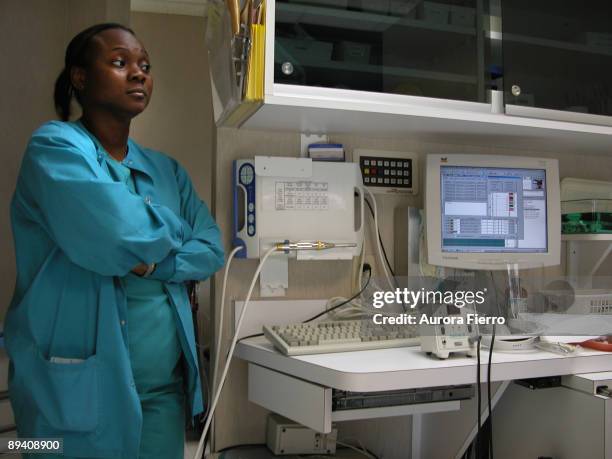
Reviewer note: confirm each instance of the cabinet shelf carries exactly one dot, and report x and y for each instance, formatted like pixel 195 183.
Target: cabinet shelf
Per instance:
pixel 357 20
pixel 553 44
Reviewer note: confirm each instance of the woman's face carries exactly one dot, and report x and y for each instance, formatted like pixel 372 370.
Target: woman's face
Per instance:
pixel 118 77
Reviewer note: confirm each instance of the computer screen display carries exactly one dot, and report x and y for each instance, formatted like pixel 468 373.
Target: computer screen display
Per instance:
pixel 490 212
pixel 493 209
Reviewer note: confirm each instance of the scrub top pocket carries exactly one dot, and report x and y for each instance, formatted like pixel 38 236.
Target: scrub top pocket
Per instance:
pixel 66 393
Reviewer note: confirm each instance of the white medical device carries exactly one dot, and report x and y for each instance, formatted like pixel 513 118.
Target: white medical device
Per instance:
pixel 449 330
pixel 488 212
pixel 279 199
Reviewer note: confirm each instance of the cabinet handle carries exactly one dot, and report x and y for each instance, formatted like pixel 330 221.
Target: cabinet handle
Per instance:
pixel 287 68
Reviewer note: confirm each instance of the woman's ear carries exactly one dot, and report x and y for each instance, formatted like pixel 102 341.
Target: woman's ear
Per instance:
pixel 78 78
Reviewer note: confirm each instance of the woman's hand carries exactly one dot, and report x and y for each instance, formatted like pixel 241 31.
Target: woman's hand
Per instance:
pixel 140 269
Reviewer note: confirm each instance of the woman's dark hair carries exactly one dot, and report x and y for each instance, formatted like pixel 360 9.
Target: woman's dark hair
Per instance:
pixel 77 56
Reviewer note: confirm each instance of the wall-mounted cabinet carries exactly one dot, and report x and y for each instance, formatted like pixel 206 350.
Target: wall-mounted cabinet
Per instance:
pixel 557 56
pixel 426 70
pixel 404 47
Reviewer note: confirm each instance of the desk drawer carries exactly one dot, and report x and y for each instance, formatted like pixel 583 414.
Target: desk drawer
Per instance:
pixel 310 404
pixel 301 401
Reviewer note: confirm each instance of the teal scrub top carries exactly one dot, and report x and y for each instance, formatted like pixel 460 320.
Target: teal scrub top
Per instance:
pixel 77 233
pixel 153 342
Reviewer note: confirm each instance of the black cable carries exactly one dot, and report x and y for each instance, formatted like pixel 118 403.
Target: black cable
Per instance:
pixel 366 267
pixel 468 452
pixel 327 311
pixel 358 447
pixel 244 445
pixel 478 397
pixel 489 393
pixel 250 336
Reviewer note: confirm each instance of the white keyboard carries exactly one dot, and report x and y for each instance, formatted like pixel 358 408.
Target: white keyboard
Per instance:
pixel 339 336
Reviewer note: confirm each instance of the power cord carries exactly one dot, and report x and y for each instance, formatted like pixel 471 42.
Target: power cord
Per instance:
pixel 380 240
pixel 366 267
pixel 381 248
pixel 489 393
pixel 219 388
pixel 254 335
pixel 219 382
pixel 327 311
pixel 222 313
pixel 380 252
pixel 478 396
pixel 360 450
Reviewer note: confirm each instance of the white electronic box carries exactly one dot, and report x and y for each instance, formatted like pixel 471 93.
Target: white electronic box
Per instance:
pixel 279 199
pixel 454 332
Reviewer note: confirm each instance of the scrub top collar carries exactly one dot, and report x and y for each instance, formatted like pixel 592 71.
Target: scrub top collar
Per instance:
pixel 133 158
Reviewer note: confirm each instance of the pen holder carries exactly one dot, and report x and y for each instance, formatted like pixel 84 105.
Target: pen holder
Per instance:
pixel 240 50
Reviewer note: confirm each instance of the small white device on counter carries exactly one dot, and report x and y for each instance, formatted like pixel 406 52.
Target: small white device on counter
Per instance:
pixel 511 343
pixel 453 333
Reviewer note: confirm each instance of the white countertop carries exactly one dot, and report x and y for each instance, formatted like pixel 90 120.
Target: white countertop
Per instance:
pixel 408 367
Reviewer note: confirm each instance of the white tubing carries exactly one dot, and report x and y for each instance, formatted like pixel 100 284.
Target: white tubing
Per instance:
pixel 221 312
pixel 230 353
pixel 380 254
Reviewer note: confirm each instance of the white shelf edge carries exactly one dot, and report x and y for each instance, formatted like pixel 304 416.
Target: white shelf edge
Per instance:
pixel 586 237
pixel 315 110
pixel 339 100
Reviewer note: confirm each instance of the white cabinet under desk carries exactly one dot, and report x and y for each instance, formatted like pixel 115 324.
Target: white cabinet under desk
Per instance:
pixel 306 380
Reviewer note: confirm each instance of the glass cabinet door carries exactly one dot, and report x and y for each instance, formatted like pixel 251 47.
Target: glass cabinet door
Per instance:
pixel 557 54
pixel 414 47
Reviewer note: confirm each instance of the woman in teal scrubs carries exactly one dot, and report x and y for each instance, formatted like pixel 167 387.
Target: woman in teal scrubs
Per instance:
pixel 99 331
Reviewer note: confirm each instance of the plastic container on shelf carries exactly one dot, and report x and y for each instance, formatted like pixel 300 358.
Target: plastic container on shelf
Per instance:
pixel 462 16
pixel 349 51
pixel 303 49
pixel 434 13
pixel 586 206
pixel 586 216
pixel 403 8
pixel 378 6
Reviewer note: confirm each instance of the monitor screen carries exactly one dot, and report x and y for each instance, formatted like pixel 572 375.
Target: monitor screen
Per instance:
pixel 491 212
pixel 493 209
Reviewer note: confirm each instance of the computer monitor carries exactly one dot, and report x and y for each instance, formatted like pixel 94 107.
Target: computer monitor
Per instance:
pixel 488 212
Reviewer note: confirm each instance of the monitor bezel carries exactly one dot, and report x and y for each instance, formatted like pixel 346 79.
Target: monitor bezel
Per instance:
pixel 492 260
